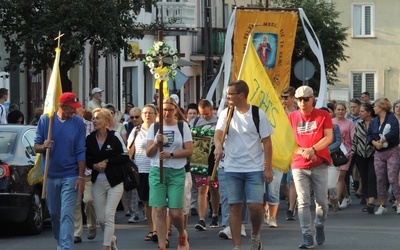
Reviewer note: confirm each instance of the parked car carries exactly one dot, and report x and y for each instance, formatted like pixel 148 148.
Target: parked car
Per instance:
pixel 20 202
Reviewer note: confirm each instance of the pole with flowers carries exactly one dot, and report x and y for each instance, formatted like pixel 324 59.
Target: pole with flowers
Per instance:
pixel 162 73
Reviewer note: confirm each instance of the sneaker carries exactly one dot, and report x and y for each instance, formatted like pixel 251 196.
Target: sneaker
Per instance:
pixel 256 243
pixel 345 202
pixel 201 225
pixel 243 231
pixel 91 234
pixel 114 243
pixel 289 215
pixel 225 233
pixel 77 239
pixel 398 209
pixel 307 242
pixel 381 210
pixel 319 235
pixel 236 248
pixel 394 207
pixel 214 223
pixel 133 219
pixel 272 223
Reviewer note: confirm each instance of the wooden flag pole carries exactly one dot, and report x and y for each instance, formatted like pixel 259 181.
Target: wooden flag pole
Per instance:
pixel 160 107
pixel 46 164
pixel 228 122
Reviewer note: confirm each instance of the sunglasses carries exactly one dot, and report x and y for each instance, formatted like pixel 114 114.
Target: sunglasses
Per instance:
pixel 74 100
pixel 285 97
pixel 135 117
pixel 305 99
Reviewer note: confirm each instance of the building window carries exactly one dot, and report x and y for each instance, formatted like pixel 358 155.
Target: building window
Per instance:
pixel 363 20
pixel 363 81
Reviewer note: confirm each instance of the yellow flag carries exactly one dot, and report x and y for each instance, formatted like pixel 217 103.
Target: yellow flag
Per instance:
pixel 54 91
pixel 263 95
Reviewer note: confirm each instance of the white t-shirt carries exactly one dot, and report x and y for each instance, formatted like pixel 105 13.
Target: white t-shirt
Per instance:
pixel 3 114
pixel 242 148
pixel 174 143
pixel 140 159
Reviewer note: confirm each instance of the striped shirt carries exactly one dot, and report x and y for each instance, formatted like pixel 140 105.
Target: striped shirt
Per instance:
pixel 141 160
pixel 360 145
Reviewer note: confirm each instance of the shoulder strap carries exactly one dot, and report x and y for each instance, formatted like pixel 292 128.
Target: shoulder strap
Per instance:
pixel 137 129
pixel 156 127
pixel 196 120
pixel 256 117
pixel 180 127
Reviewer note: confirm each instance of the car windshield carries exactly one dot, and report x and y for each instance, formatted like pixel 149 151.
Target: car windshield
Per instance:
pixel 7 141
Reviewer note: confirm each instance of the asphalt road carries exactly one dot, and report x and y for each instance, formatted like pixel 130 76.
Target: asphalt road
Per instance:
pixel 346 229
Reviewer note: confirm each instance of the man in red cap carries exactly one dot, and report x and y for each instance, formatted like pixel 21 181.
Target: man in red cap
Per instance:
pixel 67 163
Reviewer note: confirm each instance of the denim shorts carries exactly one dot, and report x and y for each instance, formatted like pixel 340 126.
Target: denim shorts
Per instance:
pixel 272 189
pixel 249 185
pixel 170 192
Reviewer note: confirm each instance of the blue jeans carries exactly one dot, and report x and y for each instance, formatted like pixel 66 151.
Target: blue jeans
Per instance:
pixel 272 189
pixel 245 187
pixel 61 197
pixel 304 179
pixel 224 201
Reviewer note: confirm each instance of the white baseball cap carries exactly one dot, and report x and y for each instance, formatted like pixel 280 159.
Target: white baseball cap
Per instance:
pixel 96 90
pixel 175 97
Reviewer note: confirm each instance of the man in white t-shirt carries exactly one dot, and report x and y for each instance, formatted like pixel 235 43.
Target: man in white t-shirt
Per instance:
pixel 247 163
pixel 3 99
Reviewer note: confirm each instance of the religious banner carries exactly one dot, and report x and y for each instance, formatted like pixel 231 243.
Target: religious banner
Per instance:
pixel 263 95
pixel 273 38
pixel 202 143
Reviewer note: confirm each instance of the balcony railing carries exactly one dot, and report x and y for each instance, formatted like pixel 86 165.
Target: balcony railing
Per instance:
pixel 181 15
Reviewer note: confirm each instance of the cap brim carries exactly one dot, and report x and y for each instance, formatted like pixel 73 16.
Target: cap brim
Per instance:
pixel 74 105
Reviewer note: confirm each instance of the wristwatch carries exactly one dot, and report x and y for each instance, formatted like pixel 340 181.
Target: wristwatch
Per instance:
pixel 171 155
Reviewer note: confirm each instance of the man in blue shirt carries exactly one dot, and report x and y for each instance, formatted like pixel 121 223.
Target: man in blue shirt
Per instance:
pixel 66 168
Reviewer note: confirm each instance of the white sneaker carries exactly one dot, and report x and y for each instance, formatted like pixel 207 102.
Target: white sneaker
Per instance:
pixel 381 210
pixel 114 243
pixel 272 223
pixel 398 208
pixel 345 202
pixel 243 231
pixel 226 233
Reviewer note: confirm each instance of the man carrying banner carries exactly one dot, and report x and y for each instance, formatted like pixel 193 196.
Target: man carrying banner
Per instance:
pixel 246 164
pixel 313 131
pixel 66 165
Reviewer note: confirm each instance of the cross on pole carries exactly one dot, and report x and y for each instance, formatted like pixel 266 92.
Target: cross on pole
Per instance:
pixel 160 107
pixel 58 38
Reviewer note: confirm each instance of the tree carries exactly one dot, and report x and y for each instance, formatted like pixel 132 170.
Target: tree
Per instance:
pixel 324 19
pixel 29 27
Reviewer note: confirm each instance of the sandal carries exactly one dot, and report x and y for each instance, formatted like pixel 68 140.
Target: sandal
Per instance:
pixel 149 237
pixel 365 209
pixel 166 243
pixel 154 237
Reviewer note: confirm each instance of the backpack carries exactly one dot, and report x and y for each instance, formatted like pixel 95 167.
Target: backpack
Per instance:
pixel 255 115
pixel 129 127
pixel 137 129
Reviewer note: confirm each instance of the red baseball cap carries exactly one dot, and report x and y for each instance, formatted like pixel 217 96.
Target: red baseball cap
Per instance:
pixel 70 99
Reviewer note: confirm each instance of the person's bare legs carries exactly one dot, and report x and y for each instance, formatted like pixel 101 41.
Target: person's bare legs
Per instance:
pixel 235 221
pixel 215 198
pixel 256 215
pixel 292 196
pixel 202 201
pixel 148 211
pixel 161 225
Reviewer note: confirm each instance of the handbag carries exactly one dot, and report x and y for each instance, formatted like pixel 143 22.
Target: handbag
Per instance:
pixel 131 176
pixel 339 158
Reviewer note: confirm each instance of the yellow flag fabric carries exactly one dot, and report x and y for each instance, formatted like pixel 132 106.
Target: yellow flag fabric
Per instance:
pixel 54 91
pixel 162 71
pixel 273 37
pixel 263 95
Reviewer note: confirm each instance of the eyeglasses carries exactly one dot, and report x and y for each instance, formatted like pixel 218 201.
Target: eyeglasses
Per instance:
pixel 229 94
pixel 305 99
pixel 168 110
pixel 285 97
pixel 135 117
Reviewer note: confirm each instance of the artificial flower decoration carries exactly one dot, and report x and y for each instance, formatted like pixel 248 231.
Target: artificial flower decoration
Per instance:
pixel 154 60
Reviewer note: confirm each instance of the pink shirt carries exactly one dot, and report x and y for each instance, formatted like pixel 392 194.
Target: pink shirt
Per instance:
pixel 347 131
